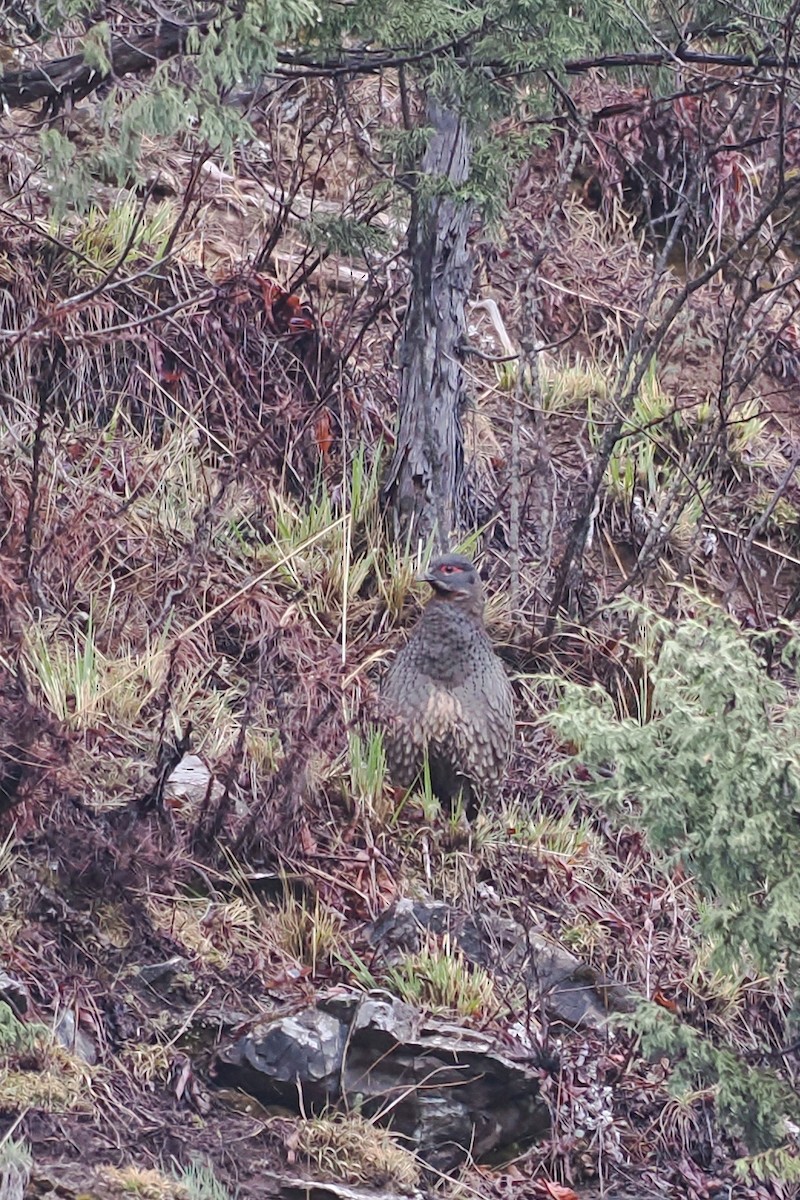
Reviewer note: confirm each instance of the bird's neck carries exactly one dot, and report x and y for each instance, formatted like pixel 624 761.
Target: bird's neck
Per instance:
pixel 443 617
pixel 445 608
pixel 445 640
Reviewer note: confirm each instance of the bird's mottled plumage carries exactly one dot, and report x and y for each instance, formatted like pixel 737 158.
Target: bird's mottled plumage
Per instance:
pixel 447 694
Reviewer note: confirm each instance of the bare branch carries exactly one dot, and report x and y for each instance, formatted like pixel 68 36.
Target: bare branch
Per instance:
pixel 659 58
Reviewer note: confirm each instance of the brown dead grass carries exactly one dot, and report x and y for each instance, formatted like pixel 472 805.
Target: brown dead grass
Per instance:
pixel 357 1152
pixel 143 1184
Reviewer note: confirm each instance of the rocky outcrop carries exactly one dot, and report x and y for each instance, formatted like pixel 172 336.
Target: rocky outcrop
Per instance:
pixel 449 1092
pixel 565 988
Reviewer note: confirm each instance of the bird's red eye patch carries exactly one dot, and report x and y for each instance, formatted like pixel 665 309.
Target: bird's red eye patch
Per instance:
pixel 448 569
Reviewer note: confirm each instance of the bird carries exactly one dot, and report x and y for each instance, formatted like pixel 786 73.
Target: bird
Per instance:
pixel 447 696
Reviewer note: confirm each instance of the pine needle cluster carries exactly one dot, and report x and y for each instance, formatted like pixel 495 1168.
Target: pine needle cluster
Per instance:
pixel 709 765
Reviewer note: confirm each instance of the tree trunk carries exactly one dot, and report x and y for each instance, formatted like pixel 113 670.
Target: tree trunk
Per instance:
pixel 426 474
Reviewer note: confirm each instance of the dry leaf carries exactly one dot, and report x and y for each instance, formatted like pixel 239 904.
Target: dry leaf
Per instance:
pixel 546 1187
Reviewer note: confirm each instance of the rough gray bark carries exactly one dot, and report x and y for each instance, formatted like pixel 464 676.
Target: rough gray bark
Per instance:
pixel 425 476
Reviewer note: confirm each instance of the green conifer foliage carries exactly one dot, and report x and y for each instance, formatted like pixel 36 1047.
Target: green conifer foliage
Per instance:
pixel 482 57
pixel 709 765
pixel 714 772
pixel 485 58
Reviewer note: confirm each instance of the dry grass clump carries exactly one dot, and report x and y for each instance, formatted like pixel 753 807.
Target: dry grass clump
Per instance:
pixel 358 1152
pixel 55 1088
pixel 574 387
pixel 143 1183
pixel 196 1182
pixel 148 1064
pixel 37 1073
pixel 216 930
pixel 309 931
pixel 85 688
pixel 440 977
pixel 16 1164
pixel 187 921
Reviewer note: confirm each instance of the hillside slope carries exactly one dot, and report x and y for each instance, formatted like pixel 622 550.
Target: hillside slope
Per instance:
pixel 194 564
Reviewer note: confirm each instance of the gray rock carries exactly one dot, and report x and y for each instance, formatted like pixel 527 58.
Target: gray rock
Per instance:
pixel 286 1187
pixel 190 782
pixel 163 972
pixel 306 1048
pixel 14 993
pixel 450 1091
pixel 381 1013
pixel 72 1038
pixel 571 991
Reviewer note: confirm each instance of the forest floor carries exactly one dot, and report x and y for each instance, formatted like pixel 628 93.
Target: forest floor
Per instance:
pixel 194 560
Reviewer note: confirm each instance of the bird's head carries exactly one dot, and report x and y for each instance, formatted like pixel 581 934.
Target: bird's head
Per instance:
pixel 454 578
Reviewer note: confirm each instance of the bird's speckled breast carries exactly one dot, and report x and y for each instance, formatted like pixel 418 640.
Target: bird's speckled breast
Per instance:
pixel 447 644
